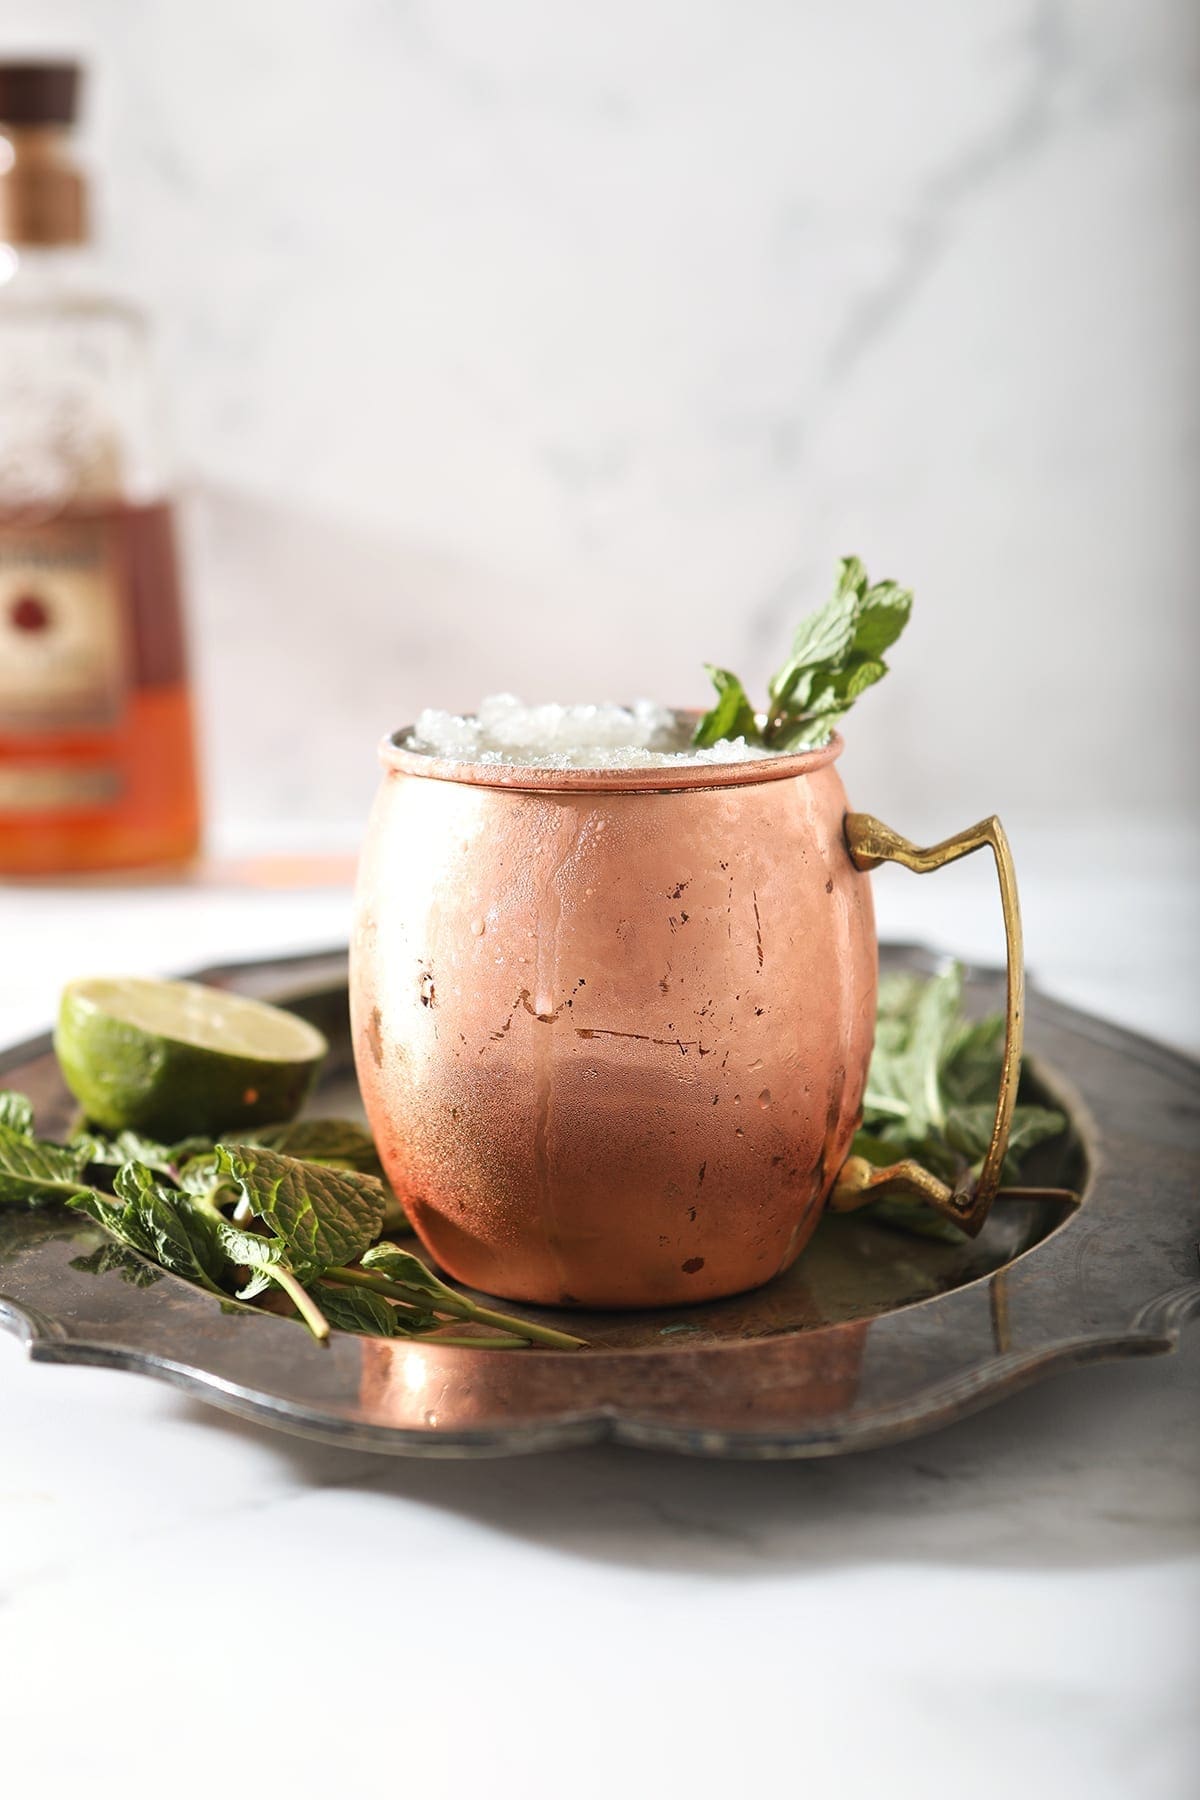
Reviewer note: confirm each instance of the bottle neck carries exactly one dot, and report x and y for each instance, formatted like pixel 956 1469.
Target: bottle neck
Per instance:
pixel 43 192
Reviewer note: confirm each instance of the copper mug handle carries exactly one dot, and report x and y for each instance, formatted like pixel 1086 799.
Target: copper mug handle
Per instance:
pixel 968 1202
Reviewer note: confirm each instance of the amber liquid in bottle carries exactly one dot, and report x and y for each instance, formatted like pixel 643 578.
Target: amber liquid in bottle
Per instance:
pixel 97 762
pixel 96 737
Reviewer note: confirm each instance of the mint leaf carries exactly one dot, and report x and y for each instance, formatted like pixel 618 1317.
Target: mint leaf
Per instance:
pixel 412 1283
pixel 898 995
pixel 160 1223
pixel 806 734
pixel 883 612
pixel 852 681
pixel 971 1068
pixel 969 1131
pixel 931 1093
pixel 121 1222
pixel 250 1250
pixel 267 1266
pixel 935 1019
pixel 826 635
pixel 31 1170
pixel 732 716
pixel 321 1216
pixel 851 576
pixel 16 1112
pixel 1033 1125
pixel 357 1309
pixel 904 1080
pixel 201 1176
pixel 182 1236
pixel 340 1143
pixel 104 1151
pixel 830 693
pixel 337 1143
pixel 408 1270
pixel 823 639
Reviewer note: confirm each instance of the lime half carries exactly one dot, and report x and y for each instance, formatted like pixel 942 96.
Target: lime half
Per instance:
pixel 173 1059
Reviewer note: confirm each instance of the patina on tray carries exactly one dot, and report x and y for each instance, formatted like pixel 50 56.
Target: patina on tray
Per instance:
pixel 872 1336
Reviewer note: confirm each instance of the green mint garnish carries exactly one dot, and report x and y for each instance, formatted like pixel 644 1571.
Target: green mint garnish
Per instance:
pixel 836 655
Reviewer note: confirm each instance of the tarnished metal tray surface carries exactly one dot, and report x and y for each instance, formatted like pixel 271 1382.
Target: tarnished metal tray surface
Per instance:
pixel 871 1337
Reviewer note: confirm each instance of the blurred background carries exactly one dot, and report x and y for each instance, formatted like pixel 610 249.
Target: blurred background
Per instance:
pixel 562 348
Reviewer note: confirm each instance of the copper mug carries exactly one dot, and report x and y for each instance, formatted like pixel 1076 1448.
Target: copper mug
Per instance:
pixel 612 1026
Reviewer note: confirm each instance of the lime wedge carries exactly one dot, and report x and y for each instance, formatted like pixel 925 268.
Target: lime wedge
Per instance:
pixel 173 1059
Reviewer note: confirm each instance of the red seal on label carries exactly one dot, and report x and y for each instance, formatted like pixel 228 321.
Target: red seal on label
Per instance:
pixel 29 612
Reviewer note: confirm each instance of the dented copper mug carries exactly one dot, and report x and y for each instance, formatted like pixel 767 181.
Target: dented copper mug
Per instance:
pixel 612 1027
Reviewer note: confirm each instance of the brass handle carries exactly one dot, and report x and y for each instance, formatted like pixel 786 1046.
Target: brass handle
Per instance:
pixel 968 1203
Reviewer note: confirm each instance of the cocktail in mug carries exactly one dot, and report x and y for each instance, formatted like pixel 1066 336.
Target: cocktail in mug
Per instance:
pixel 613 1008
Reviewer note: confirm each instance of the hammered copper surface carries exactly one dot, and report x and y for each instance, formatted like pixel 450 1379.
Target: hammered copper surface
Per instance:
pixel 870 1337
pixel 612 1044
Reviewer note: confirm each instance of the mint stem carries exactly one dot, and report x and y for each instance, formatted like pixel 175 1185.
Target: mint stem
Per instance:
pixel 458 1306
pixel 304 1303
pixel 480 1343
pixel 207 1202
pixel 538 1334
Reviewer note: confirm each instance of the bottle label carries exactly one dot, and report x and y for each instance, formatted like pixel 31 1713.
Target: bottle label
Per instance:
pixel 63 647
pixel 57 787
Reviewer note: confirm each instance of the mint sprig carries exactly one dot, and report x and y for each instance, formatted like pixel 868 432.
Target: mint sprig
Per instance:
pixel 160 1223
pixel 836 655
pixel 109 1151
pixel 247 1219
pixel 931 1094
pixel 32 1169
pixel 16 1113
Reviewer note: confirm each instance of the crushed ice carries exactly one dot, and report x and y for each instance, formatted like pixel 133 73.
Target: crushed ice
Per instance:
pixel 505 730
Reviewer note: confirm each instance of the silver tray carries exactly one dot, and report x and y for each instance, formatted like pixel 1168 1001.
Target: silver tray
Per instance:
pixel 870 1338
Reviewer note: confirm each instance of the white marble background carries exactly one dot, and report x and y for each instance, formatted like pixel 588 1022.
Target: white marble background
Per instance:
pixel 562 347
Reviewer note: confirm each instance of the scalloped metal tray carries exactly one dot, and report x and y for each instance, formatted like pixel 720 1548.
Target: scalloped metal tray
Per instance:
pixel 871 1337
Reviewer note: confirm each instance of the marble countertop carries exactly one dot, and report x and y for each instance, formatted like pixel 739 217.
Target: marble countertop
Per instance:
pixel 1007 1606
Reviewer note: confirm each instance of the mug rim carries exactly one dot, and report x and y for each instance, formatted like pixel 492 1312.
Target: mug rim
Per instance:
pixel 653 780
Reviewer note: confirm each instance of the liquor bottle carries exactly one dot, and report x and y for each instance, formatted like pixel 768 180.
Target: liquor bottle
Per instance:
pixel 97 762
